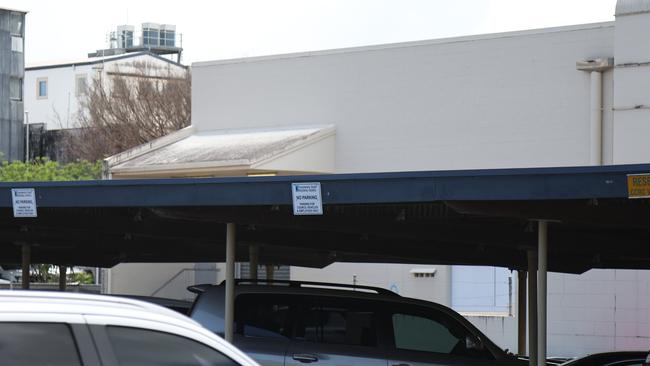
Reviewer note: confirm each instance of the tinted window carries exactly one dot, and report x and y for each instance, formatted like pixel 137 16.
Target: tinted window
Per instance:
pixel 141 347
pixel 433 331
pixel 262 315
pixel 37 344
pixel 337 321
pixel 416 333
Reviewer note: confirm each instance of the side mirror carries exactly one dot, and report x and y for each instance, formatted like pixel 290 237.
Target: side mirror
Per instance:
pixel 473 343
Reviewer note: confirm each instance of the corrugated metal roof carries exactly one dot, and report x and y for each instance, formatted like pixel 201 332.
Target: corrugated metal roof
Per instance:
pixel 226 147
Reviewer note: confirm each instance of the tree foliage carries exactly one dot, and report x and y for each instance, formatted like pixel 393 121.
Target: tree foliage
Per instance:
pixel 46 170
pixel 129 106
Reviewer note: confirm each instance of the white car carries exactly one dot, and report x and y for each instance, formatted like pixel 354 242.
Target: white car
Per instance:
pixel 57 328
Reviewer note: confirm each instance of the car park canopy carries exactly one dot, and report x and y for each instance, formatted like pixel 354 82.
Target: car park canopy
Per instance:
pixel 476 217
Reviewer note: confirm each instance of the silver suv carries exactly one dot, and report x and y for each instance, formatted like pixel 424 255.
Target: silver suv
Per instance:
pixel 285 323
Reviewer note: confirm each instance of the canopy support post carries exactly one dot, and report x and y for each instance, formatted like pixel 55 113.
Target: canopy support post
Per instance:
pixel 542 257
pixel 270 272
pixel 27 262
pixel 230 282
pixel 63 271
pixel 532 308
pixel 521 313
pixel 254 260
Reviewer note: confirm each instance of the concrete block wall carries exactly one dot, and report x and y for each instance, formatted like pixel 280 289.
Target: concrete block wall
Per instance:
pixel 606 309
pixel 598 311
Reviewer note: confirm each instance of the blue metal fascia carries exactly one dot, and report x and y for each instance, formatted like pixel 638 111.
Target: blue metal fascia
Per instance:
pixel 368 188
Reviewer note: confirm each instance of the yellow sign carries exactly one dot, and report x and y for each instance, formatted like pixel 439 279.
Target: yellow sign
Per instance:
pixel 638 185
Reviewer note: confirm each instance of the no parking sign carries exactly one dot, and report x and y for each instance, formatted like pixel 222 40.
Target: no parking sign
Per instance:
pixel 24 202
pixel 307 198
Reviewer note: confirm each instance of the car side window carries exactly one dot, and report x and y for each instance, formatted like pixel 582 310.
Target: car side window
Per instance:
pixel 416 333
pixel 262 315
pixel 337 321
pixel 142 347
pixel 38 344
pixel 430 331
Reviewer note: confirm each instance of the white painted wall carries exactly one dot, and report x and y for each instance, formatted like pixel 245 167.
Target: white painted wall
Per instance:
pixel 509 100
pixel 632 76
pixel 396 277
pixel 59 108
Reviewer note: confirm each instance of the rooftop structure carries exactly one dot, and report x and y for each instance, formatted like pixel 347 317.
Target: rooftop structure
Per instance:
pixel 159 39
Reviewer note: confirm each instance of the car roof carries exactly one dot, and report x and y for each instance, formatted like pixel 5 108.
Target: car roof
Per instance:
pixel 19 301
pixel 44 305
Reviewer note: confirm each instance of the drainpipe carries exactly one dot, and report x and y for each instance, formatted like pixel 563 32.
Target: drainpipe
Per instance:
pixel 596 119
pixel 596 68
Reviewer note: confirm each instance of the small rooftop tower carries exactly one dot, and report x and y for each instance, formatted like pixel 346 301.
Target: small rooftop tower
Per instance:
pixel 125 36
pixel 159 39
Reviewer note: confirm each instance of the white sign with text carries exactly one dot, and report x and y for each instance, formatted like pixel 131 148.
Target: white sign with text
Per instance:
pixel 24 202
pixel 307 199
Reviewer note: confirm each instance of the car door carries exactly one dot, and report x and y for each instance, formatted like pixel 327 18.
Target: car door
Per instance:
pixel 423 336
pixel 121 345
pixel 336 331
pixel 262 326
pixel 46 343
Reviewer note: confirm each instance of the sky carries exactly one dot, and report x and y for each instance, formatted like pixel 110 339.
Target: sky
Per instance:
pixel 223 29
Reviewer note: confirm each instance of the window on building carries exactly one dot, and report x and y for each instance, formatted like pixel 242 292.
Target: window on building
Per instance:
pixel 16 89
pixel 55 343
pixel 80 85
pixel 41 88
pixel 126 39
pixel 142 347
pixel 167 38
pixel 17 43
pixel 481 289
pixel 150 37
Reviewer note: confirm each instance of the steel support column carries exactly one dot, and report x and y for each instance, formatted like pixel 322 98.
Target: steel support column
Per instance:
pixel 254 260
pixel 63 271
pixel 230 282
pixel 521 313
pixel 27 262
pixel 270 272
pixel 542 257
pixel 532 307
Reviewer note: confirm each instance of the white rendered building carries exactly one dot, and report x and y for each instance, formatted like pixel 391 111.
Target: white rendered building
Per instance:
pixel 52 89
pixel 568 96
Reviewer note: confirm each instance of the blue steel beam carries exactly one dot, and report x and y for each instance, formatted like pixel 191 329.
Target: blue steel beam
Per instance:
pixel 370 188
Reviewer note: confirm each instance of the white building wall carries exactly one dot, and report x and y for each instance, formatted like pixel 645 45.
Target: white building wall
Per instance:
pixel 511 100
pixel 59 108
pixel 395 277
pixel 631 97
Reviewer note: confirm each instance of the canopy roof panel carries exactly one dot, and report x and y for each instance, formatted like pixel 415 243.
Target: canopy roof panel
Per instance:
pixel 482 217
